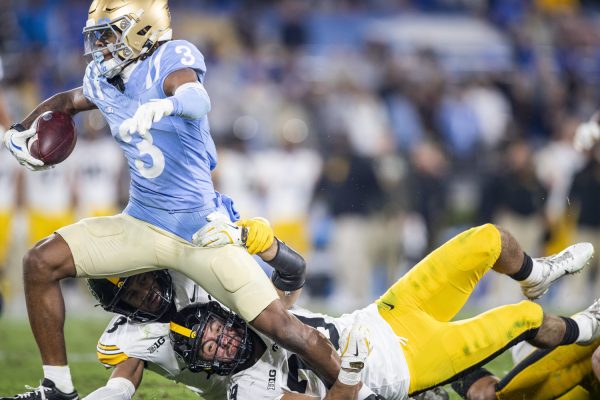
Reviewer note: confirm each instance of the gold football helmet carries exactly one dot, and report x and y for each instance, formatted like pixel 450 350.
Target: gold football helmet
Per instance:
pixel 125 30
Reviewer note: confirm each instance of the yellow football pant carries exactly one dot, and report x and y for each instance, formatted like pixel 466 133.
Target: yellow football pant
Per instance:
pixel 5 234
pixel 550 374
pixel 420 305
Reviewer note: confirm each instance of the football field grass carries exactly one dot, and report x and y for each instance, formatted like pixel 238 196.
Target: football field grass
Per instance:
pixel 20 362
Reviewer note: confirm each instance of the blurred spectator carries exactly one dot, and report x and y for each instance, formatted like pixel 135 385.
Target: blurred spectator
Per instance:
pixel 100 164
pixel 585 200
pixel 427 190
pixel 235 176
pixel 459 125
pixel 49 198
pixel 514 198
pixel 286 177
pixel 350 190
pixel 556 164
pixel 9 181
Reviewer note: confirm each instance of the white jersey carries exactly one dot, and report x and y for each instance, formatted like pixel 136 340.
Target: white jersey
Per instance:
pixel 279 371
pixel 150 342
pixel 50 191
pixel 99 164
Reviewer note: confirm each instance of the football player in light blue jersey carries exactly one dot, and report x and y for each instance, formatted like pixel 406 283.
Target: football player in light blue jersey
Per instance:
pixel 150 90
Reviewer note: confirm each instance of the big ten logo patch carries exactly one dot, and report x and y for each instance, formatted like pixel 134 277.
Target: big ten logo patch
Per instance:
pixel 161 340
pixel 272 378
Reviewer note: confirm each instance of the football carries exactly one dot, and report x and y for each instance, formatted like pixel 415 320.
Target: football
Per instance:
pixel 54 138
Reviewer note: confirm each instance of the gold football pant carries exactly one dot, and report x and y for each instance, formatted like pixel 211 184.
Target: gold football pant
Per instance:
pixel 420 305
pixel 564 372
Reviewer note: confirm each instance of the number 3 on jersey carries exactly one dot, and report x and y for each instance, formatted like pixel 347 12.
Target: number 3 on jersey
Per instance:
pixel 157 158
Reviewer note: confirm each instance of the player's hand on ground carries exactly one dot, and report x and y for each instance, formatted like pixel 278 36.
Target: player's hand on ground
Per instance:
pixel 219 231
pixel 259 233
pixel 586 135
pixel 146 114
pixel 16 142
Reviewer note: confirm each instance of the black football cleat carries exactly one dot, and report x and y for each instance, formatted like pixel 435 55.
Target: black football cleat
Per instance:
pixel 46 391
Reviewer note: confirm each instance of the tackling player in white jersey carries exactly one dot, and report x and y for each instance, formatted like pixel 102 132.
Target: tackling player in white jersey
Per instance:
pixel 139 338
pixel 413 344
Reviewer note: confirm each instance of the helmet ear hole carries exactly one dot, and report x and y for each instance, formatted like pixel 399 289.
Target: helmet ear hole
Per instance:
pixel 143 31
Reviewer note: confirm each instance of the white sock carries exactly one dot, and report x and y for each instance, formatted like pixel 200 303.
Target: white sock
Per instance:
pixel 536 275
pixel 61 376
pixel 585 328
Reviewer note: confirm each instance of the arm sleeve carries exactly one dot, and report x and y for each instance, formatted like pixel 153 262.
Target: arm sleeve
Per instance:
pixel 190 101
pixel 115 389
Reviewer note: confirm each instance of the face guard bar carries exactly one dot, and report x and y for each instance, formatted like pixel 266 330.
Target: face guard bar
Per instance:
pixel 104 45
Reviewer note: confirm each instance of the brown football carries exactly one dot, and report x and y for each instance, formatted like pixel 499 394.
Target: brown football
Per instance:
pixel 54 138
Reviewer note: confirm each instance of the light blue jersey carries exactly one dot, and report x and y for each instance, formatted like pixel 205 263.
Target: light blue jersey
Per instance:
pixel 170 168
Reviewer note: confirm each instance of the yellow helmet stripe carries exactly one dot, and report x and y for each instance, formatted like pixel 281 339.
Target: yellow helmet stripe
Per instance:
pixel 114 281
pixel 182 330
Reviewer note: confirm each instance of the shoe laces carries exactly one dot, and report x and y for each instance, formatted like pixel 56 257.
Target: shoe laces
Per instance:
pixel 34 390
pixel 557 259
pixel 594 309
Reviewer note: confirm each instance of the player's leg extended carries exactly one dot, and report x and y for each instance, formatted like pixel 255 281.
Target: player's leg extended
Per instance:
pixel 548 373
pixel 442 282
pixel 44 266
pixel 438 352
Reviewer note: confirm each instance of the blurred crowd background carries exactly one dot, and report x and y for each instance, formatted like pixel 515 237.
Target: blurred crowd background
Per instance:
pixel 367 131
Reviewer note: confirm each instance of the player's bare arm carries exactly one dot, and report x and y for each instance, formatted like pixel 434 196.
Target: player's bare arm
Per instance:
pixel 123 382
pixel 596 363
pixel 71 102
pixel 177 78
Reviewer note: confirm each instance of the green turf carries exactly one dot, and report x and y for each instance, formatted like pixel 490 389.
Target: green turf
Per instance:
pixel 20 362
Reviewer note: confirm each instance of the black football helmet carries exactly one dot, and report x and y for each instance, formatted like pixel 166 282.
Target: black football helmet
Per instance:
pixel 189 327
pixel 145 297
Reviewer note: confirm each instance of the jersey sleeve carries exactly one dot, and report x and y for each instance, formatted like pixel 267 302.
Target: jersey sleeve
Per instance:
pixel 90 90
pixel 110 355
pixel 109 349
pixel 176 55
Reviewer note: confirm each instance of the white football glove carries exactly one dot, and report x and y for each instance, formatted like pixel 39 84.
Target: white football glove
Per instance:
pixel 586 135
pixel 355 347
pixel 146 114
pixel 16 143
pixel 219 231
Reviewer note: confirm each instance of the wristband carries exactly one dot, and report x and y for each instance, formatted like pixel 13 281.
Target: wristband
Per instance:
pixel 350 377
pixel 18 127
